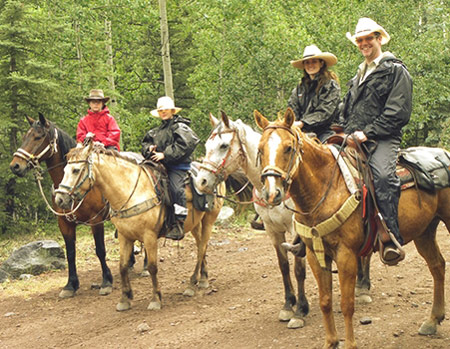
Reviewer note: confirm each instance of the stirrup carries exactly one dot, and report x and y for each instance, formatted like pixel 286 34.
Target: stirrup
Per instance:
pixel 392 252
pixel 297 250
pixel 176 232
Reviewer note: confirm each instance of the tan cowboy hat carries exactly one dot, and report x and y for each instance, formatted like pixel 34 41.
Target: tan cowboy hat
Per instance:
pixel 368 26
pixel 96 94
pixel 313 51
pixel 164 103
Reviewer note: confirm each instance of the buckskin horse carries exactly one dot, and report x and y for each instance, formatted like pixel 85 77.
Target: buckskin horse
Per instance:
pixel 44 142
pixel 232 146
pixel 293 162
pixel 137 212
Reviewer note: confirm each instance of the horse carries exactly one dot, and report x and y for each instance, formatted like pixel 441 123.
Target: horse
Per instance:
pixel 294 163
pixel 232 146
pixel 137 211
pixel 44 142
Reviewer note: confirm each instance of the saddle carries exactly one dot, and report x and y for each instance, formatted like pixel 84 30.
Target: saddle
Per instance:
pixel 419 167
pixel 201 202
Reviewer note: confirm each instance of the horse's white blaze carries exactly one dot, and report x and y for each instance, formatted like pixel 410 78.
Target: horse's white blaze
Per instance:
pixel 274 142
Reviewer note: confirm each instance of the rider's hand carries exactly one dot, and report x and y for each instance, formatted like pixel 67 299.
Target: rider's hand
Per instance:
pixel 157 156
pixel 359 136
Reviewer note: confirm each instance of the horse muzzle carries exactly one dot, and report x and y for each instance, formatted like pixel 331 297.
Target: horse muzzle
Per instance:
pixel 63 199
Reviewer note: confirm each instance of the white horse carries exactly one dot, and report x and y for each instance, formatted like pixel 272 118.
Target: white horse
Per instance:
pixel 231 146
pixel 137 212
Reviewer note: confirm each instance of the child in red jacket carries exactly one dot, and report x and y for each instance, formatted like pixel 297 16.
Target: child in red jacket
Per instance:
pixel 98 123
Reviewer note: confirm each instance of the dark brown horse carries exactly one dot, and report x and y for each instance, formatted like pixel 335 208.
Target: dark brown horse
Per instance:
pixel 44 142
pixel 293 162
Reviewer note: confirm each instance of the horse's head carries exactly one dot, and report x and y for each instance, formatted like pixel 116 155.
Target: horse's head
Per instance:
pixel 39 143
pixel 223 153
pixel 78 176
pixel 279 153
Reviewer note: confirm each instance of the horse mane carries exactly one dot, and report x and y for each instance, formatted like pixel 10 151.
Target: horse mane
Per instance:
pixel 100 149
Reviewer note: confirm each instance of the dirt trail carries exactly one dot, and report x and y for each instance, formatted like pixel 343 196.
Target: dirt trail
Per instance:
pixel 239 310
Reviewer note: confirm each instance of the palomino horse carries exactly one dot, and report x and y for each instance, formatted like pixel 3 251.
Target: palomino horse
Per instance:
pixel 293 162
pixel 137 211
pixel 231 146
pixel 45 142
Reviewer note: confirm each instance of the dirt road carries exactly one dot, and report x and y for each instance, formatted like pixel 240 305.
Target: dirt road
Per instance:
pixel 239 310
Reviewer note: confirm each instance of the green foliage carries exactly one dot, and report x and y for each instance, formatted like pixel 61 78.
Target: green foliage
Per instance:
pixel 229 55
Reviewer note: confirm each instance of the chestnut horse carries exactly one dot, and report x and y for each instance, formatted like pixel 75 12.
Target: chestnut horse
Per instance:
pixel 232 146
pixel 44 142
pixel 137 211
pixel 293 162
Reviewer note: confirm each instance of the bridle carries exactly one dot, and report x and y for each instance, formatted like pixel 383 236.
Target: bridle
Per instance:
pixel 74 191
pixel 219 169
pixel 33 160
pixel 294 160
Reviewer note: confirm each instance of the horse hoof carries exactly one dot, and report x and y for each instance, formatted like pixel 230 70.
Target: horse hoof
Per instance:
pixel 104 291
pixel 203 284
pixel 66 293
pixel 285 315
pixel 296 323
pixel 154 306
pixel 189 292
pixel 123 306
pixel 145 273
pixel 363 299
pixel 427 328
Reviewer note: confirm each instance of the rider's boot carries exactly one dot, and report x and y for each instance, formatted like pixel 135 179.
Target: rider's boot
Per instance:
pixel 176 232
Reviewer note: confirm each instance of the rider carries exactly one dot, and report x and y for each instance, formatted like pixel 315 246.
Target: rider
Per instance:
pixel 172 143
pixel 376 107
pixel 99 124
pixel 316 98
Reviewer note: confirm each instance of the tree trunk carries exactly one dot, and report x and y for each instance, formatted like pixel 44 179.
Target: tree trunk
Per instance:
pixel 165 49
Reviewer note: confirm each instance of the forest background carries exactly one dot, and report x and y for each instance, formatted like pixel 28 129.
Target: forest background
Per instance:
pixel 230 55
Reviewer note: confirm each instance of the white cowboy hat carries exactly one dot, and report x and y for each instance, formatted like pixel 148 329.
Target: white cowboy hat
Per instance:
pixel 96 95
pixel 368 26
pixel 165 103
pixel 313 51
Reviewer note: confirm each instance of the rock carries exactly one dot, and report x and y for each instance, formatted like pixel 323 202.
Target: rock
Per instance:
pixel 143 327
pixel 35 258
pixel 3 275
pixel 365 321
pixel 225 216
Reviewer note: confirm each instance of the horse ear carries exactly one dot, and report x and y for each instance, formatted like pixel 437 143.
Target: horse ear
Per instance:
pixel 260 120
pixel 30 120
pixel 289 117
pixel 213 120
pixel 42 119
pixel 225 119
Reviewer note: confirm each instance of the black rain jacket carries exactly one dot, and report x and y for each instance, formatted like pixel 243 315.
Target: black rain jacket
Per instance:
pixel 174 138
pixel 381 105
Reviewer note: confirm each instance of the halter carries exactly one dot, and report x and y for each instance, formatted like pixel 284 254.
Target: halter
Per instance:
pixel 294 160
pixel 33 160
pixel 74 191
pixel 219 169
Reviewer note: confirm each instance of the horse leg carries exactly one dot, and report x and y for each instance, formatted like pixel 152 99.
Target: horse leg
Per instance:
pixel 347 264
pixel 286 313
pixel 99 237
pixel 68 231
pixel 324 282
pixel 151 249
pixel 302 303
pixel 126 248
pixel 190 290
pixel 427 247
pixel 362 291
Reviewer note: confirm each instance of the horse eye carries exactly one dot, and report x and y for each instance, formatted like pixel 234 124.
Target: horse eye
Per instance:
pixel 288 149
pixel 224 146
pixel 75 171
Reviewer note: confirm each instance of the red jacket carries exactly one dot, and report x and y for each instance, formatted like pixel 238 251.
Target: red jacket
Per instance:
pixel 103 125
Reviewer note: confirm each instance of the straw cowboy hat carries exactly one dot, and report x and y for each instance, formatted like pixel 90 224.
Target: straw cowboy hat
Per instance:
pixel 313 51
pixel 368 26
pixel 97 95
pixel 164 103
